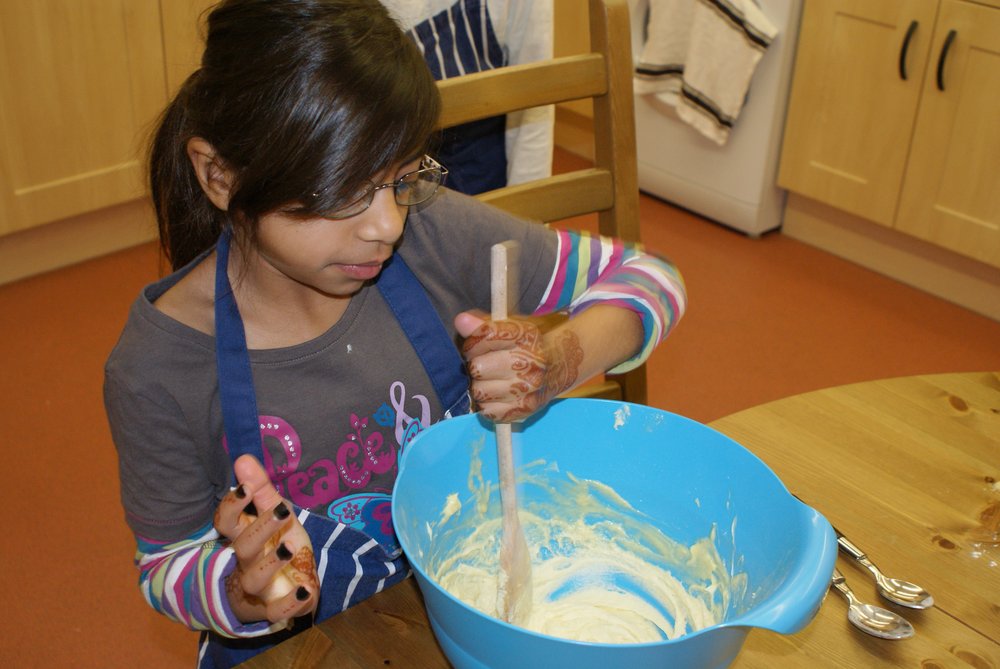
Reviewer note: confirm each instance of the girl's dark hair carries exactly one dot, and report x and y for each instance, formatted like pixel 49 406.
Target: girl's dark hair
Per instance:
pixel 303 101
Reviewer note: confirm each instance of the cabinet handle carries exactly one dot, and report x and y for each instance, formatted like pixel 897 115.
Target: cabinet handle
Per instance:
pixel 944 53
pixel 906 47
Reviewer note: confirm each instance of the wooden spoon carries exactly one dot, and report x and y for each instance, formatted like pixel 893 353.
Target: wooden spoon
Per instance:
pixel 514 582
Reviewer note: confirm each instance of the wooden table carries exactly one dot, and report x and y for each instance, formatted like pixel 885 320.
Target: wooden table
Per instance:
pixel 908 468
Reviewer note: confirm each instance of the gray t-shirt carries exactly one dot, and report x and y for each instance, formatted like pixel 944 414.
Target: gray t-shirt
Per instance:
pixel 334 411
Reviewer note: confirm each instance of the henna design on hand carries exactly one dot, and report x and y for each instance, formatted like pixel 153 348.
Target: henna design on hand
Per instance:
pixel 565 372
pixel 540 368
pixel 558 372
pixel 304 563
pixel 236 592
pixel 553 371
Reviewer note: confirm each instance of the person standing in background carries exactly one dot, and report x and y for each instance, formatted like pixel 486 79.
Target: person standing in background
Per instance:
pixel 460 37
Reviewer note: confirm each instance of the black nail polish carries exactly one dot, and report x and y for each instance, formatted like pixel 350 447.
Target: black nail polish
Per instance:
pixel 283 552
pixel 250 509
pixel 240 491
pixel 301 594
pixel 281 511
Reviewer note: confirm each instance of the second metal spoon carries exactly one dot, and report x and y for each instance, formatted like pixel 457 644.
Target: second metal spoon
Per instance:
pixel 899 592
pixel 871 619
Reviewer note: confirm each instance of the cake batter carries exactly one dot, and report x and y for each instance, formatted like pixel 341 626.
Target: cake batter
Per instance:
pixel 601 571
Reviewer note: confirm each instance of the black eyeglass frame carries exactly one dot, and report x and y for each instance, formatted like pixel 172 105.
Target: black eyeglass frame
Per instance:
pixel 428 166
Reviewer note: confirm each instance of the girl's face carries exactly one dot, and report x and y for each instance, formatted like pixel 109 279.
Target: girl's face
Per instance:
pixel 334 257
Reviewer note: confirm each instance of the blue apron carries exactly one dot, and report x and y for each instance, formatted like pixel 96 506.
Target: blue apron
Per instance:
pixel 351 565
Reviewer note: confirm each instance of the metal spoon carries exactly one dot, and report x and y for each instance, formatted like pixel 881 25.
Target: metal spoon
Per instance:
pixel 869 618
pixel 899 592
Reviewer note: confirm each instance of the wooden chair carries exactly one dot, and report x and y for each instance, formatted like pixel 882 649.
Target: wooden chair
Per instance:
pixel 610 188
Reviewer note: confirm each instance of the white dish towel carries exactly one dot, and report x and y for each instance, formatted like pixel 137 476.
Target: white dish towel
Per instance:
pixel 699 56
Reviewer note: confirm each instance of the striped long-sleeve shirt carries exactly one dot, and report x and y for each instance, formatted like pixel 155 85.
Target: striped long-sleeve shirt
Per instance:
pixel 185 581
pixel 592 270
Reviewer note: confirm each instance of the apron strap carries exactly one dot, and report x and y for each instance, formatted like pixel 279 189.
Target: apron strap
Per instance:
pixel 408 300
pixel 236 390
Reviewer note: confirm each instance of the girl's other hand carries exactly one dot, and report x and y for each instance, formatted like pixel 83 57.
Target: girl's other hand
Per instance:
pixel 515 369
pixel 275 576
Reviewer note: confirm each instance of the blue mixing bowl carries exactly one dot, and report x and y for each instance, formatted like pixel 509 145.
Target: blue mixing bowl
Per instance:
pixel 686 479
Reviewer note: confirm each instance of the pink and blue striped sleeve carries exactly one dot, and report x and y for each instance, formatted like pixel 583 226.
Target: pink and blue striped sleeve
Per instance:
pixel 185 581
pixel 593 270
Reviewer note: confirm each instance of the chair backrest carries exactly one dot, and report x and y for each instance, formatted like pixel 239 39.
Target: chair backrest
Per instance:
pixel 609 188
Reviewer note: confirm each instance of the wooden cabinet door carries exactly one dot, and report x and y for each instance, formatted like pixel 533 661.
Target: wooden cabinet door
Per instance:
pixel 81 82
pixel 851 113
pixel 951 195
pixel 184 30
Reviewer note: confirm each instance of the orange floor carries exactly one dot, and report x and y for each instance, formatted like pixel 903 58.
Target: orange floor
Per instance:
pixel 767 318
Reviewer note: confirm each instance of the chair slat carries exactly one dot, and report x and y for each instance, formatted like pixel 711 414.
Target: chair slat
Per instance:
pixel 610 188
pixel 556 197
pixel 493 92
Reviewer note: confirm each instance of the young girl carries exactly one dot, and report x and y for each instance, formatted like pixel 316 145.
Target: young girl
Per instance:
pixel 261 395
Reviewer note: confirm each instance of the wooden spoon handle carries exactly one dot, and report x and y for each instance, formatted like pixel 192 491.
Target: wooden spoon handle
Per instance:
pixel 502 257
pixel 514 579
pixel 502 283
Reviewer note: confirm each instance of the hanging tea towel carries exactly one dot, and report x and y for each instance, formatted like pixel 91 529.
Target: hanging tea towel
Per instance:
pixel 699 56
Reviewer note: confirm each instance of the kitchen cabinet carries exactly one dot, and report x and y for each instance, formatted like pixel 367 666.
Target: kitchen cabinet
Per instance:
pixel 81 82
pixel 951 194
pixel 183 32
pixel 893 118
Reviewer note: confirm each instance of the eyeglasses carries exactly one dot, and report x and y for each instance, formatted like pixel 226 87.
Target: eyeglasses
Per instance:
pixel 410 189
